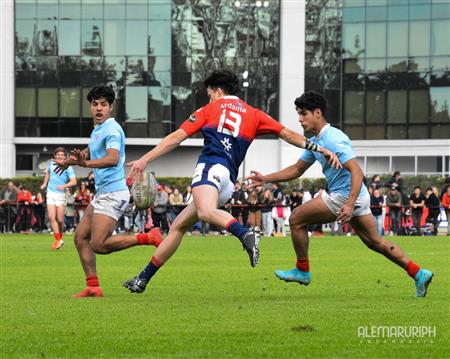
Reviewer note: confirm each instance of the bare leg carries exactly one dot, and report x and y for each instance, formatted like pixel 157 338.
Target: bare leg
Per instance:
pixel 182 223
pixel 365 227
pixel 51 211
pixel 60 211
pixel 312 212
pixel 205 198
pixel 82 238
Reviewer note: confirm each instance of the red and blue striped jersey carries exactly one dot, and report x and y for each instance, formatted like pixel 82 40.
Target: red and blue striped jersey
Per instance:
pixel 229 125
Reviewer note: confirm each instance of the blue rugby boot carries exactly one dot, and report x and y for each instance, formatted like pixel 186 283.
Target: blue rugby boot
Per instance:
pixel 294 275
pixel 423 279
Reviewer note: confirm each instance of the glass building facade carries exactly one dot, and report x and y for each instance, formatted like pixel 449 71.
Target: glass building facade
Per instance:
pixel 154 53
pixel 384 66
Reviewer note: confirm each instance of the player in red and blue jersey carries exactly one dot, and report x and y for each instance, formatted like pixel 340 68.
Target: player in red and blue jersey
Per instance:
pixel 229 126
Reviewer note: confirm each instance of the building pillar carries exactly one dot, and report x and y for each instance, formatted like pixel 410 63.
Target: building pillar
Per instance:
pixel 7 147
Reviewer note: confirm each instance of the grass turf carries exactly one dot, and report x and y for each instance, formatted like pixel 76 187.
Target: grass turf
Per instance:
pixel 207 302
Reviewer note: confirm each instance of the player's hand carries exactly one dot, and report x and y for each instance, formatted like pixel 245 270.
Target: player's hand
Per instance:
pixel 60 187
pixel 77 157
pixel 43 186
pixel 345 213
pixel 255 179
pixel 332 158
pixel 137 168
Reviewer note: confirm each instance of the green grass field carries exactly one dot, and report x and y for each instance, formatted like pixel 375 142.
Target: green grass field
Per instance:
pixel 207 302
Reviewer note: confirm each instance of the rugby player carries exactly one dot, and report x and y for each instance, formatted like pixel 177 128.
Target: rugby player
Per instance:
pixel 348 199
pixel 56 196
pixel 106 156
pixel 229 126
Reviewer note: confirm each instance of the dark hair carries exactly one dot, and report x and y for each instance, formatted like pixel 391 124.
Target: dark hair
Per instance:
pixel 396 173
pixel 224 79
pixel 59 149
pixel 310 101
pixel 98 92
pixel 417 187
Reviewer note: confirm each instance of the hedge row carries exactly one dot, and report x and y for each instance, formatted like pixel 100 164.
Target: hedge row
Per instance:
pixel 409 182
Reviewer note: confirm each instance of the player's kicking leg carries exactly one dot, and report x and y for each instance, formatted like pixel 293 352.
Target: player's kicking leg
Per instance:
pixel 312 212
pixel 186 219
pixel 365 227
pixel 207 198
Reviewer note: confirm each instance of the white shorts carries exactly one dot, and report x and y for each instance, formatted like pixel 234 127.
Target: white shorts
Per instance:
pixel 56 198
pixel 335 201
pixel 111 204
pixel 217 176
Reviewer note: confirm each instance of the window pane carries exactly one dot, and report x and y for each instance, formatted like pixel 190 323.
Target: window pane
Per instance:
pixel 417 132
pixel 419 12
pixel 429 164
pixel 159 33
pixel 47 10
pixel 70 102
pixel 92 38
pixel 377 165
pixel 115 70
pixel 136 37
pixel 69 37
pixel 375 107
pixel 441 63
pixel 418 106
pixel 397 39
pixel 397 64
pixel 85 104
pixel 115 39
pixel 419 64
pixel 114 9
pixel 440 11
pixel 137 71
pixel 440 37
pixel 159 12
pixel 25 102
pixel 69 9
pixel 376 40
pixel 159 104
pixel 47 37
pixel 396 107
pixel 395 132
pixel 24 162
pixel 440 131
pixel 353 14
pixel 354 107
pixel 403 164
pixel 353 40
pixel 136 99
pixel 26 9
pixel 440 104
pixel 24 39
pixel 91 11
pixel 398 13
pixel 354 132
pixel 419 38
pixel 376 13
pixel 353 66
pixel 48 102
pixel 375 65
pixel 137 10
pixel 375 132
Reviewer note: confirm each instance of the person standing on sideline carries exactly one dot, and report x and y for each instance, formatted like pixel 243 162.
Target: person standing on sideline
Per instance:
pixel 106 156
pixel 394 203
pixel 446 205
pixel 376 207
pixel 347 200
pixel 56 185
pixel 417 202
pixel 229 126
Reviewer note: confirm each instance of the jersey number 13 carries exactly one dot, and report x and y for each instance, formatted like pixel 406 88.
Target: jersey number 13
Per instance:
pixel 232 121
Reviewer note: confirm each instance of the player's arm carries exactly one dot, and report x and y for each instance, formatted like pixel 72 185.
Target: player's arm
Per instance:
pixel 302 142
pixel 46 178
pixel 111 159
pixel 286 174
pixel 356 180
pixel 167 144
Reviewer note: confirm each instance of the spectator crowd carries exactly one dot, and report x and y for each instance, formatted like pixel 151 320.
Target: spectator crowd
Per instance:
pixel 268 208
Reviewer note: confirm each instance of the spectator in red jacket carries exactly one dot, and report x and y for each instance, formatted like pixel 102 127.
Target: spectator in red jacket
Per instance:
pixel 446 205
pixel 24 203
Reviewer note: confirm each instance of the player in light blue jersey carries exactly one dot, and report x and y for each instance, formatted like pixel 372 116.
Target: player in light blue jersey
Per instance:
pixel 106 156
pixel 347 201
pixel 56 185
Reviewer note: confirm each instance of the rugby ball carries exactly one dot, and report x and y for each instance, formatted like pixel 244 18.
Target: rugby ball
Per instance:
pixel 144 190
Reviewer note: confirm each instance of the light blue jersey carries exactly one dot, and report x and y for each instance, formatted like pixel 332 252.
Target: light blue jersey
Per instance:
pixel 107 135
pixel 56 180
pixel 335 140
